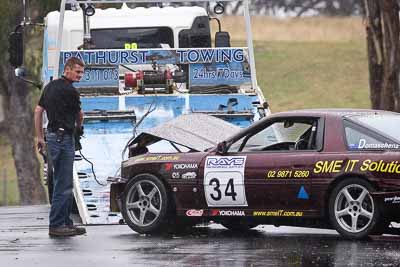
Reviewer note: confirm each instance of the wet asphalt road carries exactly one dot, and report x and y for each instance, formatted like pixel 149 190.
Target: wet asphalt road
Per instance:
pixel 24 241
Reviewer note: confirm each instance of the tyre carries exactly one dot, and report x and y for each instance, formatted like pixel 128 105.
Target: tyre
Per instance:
pixel 352 210
pixel 144 204
pixel 238 226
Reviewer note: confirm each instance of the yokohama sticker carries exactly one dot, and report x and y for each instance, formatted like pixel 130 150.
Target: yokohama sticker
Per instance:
pixel 227 213
pixel 194 213
pixel 184 166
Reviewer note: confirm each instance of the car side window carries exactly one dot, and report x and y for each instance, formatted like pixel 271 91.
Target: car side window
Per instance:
pixel 255 142
pixel 359 140
pixel 281 135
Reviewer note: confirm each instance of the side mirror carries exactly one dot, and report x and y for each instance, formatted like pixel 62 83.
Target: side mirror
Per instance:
pixel 222 148
pixel 222 39
pixel 16 48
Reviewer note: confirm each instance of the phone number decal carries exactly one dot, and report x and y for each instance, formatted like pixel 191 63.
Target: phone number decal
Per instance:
pixel 287 174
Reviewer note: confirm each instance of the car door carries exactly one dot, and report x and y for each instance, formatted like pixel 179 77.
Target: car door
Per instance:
pixel 277 167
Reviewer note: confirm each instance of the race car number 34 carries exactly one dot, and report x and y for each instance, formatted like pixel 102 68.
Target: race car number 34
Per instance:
pixel 224 181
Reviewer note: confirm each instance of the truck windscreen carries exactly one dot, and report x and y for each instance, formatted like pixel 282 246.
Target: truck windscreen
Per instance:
pixel 132 38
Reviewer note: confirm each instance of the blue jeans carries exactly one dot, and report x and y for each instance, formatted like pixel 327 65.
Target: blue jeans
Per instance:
pixel 62 157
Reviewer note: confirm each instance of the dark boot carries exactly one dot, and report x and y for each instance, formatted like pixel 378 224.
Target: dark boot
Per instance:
pixel 78 230
pixel 62 231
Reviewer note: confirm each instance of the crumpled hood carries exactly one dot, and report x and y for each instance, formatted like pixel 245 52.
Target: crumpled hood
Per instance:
pixel 195 131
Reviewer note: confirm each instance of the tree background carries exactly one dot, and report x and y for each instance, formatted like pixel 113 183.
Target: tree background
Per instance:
pixel 382 27
pixel 17 99
pixel 383 42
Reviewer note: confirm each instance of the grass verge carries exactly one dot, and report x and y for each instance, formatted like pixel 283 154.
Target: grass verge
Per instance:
pixel 9 194
pixel 297 75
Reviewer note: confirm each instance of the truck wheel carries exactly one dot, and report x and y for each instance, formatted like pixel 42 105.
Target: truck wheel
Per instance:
pixel 352 210
pixel 144 204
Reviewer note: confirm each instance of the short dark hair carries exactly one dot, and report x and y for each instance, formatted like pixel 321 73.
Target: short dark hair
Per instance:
pixel 72 61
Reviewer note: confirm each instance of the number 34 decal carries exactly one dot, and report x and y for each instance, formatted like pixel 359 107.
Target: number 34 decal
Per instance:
pixel 229 186
pixel 225 189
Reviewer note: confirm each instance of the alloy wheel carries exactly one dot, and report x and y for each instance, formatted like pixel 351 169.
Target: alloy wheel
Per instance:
pixel 354 208
pixel 143 203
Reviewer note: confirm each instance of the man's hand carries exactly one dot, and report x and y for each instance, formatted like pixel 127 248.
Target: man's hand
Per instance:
pixel 79 131
pixel 41 145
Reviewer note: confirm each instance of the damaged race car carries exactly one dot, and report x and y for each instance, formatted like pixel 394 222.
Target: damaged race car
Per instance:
pixel 315 168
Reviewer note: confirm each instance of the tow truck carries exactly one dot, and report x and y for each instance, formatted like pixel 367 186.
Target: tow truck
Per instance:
pixel 144 67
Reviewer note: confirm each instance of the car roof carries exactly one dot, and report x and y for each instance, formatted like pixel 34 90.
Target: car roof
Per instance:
pixel 334 112
pixel 329 112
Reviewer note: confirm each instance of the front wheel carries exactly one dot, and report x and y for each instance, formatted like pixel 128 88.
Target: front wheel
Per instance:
pixel 144 204
pixel 352 210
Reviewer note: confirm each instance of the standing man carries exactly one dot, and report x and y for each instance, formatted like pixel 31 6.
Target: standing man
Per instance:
pixel 62 104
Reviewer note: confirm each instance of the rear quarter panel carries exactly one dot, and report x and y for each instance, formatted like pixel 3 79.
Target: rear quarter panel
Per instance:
pixel 335 163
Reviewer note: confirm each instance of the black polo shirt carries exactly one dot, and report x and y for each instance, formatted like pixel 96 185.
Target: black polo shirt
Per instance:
pixel 62 103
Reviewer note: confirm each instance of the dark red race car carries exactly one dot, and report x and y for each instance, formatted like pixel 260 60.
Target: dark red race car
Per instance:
pixel 316 168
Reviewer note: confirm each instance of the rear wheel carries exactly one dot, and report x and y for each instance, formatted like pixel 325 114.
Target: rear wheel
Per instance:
pixel 144 204
pixel 352 210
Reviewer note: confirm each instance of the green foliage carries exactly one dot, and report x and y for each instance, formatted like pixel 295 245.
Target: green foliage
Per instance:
pixel 8 14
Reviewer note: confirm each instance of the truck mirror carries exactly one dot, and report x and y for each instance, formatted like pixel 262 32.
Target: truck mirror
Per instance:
pixel 90 10
pixel 222 39
pixel 20 72
pixel 219 8
pixel 16 49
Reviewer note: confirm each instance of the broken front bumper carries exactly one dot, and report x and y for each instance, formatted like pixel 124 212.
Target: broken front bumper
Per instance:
pixel 116 190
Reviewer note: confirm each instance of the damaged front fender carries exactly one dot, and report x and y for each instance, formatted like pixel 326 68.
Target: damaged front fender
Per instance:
pixel 116 190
